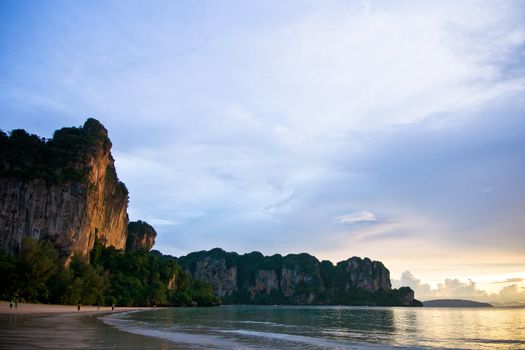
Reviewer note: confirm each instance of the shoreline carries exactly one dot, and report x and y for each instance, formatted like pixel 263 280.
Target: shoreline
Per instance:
pixel 44 326
pixel 36 309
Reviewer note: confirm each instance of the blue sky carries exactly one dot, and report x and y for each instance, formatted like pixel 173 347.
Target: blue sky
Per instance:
pixel 381 129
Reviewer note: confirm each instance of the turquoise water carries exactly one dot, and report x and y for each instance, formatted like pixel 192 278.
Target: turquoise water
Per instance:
pixel 332 327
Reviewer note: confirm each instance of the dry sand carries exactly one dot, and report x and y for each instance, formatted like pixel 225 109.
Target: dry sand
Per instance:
pixel 40 326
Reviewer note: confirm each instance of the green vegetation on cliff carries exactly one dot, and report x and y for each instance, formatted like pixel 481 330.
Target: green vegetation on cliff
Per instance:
pixel 295 279
pixel 59 159
pixel 140 278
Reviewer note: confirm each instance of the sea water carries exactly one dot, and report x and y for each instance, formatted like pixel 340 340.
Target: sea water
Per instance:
pixel 329 327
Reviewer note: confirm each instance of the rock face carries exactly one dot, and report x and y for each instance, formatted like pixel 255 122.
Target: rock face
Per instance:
pixel 222 278
pixel 141 235
pixel 295 279
pixel 64 189
pixel 367 274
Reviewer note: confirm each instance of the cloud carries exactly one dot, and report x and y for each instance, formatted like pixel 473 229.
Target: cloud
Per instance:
pixel 253 127
pixel 421 290
pixel 509 294
pixel 160 221
pixel 512 280
pixel 355 217
pixel 456 289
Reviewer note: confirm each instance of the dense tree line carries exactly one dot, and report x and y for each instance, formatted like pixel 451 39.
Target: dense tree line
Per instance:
pixel 39 274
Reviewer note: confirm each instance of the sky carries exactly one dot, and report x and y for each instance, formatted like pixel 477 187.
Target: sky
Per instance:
pixel 388 129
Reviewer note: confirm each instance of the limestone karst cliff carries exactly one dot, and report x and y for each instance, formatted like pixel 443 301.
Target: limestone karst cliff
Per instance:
pixel 295 279
pixel 64 189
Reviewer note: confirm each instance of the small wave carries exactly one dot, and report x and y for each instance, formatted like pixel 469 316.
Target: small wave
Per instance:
pixel 318 342
pixel 266 323
pixel 495 341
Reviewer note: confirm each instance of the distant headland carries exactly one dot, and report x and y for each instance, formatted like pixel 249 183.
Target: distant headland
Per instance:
pixel 454 303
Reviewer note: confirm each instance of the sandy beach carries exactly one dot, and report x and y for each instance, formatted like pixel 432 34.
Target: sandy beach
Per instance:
pixel 41 326
pixel 31 309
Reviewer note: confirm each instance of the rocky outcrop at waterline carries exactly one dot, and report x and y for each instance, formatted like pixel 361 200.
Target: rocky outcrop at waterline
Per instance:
pixel 295 279
pixel 64 189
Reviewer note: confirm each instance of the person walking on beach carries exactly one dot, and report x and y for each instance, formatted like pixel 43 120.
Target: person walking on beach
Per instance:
pixel 78 307
pixel 11 304
pixel 112 307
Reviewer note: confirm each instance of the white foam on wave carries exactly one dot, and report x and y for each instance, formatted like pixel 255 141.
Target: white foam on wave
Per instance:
pixel 270 340
pixel 205 341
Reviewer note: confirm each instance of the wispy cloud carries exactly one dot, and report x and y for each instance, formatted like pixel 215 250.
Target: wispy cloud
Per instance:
pixel 355 217
pixel 160 221
pixel 511 280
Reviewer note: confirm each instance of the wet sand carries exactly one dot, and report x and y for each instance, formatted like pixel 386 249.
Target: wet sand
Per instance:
pixel 37 326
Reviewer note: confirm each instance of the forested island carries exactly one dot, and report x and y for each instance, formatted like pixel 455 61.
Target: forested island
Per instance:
pixel 65 238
